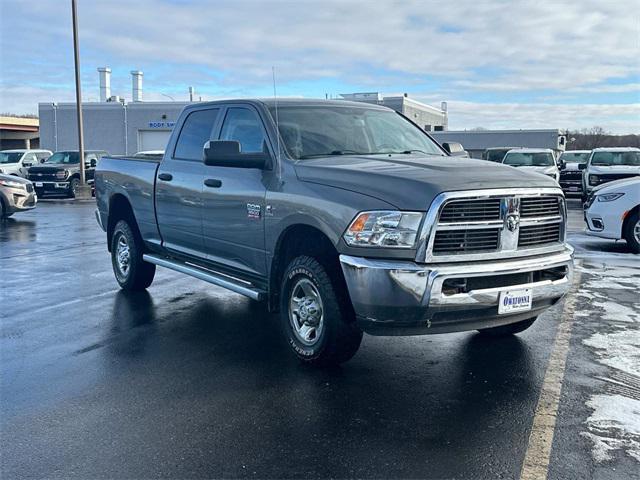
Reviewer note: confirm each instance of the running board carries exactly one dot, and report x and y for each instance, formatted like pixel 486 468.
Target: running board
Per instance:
pixel 207 276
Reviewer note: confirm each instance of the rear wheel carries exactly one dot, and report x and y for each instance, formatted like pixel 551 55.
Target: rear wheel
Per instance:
pixel 632 232
pixel 510 329
pixel 132 273
pixel 318 323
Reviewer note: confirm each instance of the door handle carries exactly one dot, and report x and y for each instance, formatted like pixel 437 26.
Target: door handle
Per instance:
pixel 167 177
pixel 213 182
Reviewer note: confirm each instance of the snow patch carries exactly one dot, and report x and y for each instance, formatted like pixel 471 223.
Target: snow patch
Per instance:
pixel 614 425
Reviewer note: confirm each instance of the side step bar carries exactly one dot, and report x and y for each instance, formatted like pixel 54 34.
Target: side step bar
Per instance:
pixel 208 276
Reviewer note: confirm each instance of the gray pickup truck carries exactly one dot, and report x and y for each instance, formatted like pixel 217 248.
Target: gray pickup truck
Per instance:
pixel 344 217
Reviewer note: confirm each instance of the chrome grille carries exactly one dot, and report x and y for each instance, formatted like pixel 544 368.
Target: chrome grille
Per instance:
pixel 471 210
pixel 539 207
pixel 461 241
pixel 493 224
pixel 539 235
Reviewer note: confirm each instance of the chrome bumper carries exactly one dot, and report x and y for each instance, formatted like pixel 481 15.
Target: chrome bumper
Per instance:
pixel 404 298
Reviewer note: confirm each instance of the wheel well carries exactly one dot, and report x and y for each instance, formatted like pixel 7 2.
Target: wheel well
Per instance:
pixel 302 240
pixel 120 209
pixel 627 219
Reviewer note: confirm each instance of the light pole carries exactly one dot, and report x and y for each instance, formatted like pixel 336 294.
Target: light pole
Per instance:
pixel 82 192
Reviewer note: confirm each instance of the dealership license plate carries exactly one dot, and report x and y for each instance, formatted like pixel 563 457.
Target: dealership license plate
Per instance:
pixel 38 184
pixel 514 301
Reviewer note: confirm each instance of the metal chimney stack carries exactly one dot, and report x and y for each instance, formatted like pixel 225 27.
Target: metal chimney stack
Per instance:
pixel 136 85
pixel 192 92
pixel 105 83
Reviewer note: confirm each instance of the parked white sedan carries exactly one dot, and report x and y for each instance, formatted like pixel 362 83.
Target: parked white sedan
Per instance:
pixel 613 211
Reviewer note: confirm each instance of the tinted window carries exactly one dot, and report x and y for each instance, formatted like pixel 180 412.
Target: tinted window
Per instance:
pixel 521 159
pixel 244 126
pixel 65 158
pixel 195 132
pixel 616 158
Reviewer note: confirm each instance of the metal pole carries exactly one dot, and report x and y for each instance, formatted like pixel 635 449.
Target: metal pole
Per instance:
pixel 76 54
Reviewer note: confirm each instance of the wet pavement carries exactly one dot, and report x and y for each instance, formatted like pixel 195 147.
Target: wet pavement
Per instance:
pixel 190 381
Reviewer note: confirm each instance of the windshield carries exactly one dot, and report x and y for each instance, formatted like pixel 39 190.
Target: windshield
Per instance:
pixel 522 159
pixel 572 157
pixel 310 131
pixel 63 158
pixel 495 155
pixel 616 158
pixel 10 157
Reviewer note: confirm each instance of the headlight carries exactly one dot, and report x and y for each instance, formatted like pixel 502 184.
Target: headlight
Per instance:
pixel 609 197
pixel 12 184
pixel 62 174
pixel 594 180
pixel 391 229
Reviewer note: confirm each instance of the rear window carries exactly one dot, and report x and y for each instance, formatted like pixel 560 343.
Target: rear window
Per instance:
pixel 195 132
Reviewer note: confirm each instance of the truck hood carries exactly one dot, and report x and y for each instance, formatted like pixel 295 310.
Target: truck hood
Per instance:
pixel 51 169
pixel 411 182
pixel 615 169
pixel 546 170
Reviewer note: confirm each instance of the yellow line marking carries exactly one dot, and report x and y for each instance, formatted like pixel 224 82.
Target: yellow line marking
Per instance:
pixel 536 460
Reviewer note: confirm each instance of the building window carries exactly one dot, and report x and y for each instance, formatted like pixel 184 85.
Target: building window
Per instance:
pixel 427 128
pixel 438 128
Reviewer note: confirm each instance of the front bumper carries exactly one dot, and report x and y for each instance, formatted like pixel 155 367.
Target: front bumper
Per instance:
pixel 406 298
pixel 19 200
pixel 43 187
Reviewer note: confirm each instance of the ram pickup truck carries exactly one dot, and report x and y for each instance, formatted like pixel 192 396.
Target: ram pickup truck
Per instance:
pixel 343 217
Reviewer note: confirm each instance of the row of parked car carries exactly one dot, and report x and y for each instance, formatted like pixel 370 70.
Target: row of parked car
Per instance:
pixel 578 172
pixel 26 175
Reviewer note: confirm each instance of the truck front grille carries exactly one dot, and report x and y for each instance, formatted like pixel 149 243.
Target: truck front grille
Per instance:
pixel 539 235
pixel 493 224
pixel 539 207
pixel 471 210
pixel 461 241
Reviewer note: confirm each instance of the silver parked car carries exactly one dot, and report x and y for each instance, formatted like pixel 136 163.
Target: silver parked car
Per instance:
pixel 16 195
pixel 17 162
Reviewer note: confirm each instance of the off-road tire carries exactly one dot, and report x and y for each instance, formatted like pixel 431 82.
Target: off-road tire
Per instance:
pixel 510 329
pixel 629 236
pixel 139 273
pixel 340 337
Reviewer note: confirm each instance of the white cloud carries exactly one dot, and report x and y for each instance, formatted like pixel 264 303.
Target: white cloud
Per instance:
pixel 468 48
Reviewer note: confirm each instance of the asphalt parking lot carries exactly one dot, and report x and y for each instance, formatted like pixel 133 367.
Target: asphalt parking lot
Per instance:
pixel 191 381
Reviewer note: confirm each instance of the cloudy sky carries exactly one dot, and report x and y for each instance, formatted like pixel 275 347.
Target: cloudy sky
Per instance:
pixel 499 64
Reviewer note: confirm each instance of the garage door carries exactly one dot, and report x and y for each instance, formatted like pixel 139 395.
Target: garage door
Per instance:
pixel 153 139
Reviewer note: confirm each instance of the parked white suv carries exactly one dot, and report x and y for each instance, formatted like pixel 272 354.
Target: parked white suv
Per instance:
pixel 612 211
pixel 608 164
pixel 539 160
pixel 17 162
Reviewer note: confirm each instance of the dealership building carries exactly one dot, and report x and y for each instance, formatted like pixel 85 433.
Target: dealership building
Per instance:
pixel 124 128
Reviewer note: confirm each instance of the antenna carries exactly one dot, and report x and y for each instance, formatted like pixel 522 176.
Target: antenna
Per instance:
pixel 275 98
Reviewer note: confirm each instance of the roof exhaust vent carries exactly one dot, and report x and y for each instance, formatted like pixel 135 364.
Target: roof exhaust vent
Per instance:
pixel 105 83
pixel 136 85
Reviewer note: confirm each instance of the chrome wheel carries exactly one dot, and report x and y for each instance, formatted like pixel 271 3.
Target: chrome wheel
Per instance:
pixel 123 256
pixel 636 231
pixel 305 312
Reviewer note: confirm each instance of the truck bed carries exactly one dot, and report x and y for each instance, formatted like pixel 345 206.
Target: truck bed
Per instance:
pixel 134 178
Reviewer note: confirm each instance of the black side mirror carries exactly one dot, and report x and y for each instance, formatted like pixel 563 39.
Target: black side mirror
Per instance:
pixel 454 148
pixel 227 153
pixel 582 166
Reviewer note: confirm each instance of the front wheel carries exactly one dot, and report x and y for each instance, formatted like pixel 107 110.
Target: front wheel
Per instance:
pixel 132 273
pixel 318 323
pixel 510 329
pixel 74 183
pixel 632 232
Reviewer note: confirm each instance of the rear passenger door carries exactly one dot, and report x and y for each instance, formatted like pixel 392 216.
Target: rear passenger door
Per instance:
pixel 179 185
pixel 233 213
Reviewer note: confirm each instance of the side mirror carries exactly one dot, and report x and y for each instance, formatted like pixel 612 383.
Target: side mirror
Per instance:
pixel 582 166
pixel 454 148
pixel 93 163
pixel 27 164
pixel 227 153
